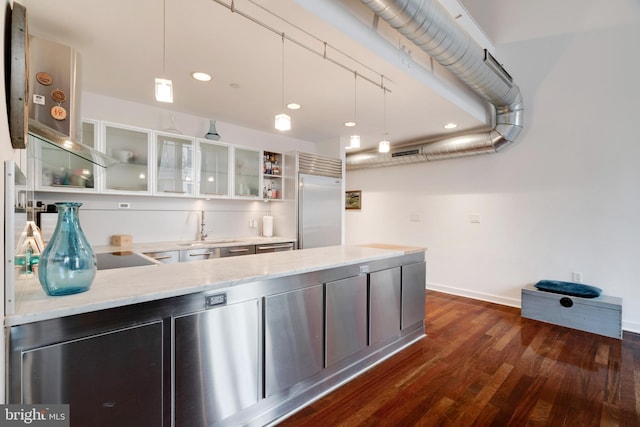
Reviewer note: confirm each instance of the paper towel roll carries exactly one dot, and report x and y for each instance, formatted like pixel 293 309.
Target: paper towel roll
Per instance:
pixel 267 226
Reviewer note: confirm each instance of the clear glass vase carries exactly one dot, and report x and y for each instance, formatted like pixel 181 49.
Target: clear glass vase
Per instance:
pixel 67 264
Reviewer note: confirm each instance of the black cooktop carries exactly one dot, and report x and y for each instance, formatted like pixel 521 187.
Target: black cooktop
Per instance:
pixel 121 259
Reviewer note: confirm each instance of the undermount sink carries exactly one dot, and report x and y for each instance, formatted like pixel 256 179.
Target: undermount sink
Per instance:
pixel 206 242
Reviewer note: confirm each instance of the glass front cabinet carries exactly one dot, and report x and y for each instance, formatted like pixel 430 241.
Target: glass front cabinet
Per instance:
pixel 59 170
pixel 173 167
pixel 160 163
pixel 247 173
pixel 213 171
pixel 131 147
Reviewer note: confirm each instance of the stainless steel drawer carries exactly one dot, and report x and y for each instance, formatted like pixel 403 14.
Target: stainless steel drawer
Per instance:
pixel 237 250
pixel 187 255
pixel 274 247
pixel 165 257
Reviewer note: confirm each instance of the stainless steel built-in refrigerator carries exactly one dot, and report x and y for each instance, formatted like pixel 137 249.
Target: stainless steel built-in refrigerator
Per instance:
pixel 314 201
pixel 319 211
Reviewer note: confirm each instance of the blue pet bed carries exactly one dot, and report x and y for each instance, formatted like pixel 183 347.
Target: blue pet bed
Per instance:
pixel 569 288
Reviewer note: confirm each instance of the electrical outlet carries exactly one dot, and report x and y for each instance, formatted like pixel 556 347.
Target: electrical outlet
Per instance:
pixel 415 218
pixel 474 218
pixel 576 276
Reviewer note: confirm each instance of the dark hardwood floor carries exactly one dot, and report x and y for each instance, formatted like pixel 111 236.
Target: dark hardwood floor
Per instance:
pixel 481 364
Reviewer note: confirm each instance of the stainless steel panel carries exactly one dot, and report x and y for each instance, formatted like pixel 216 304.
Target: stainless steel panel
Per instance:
pixel 413 293
pixel 314 164
pixel 320 211
pixel 294 337
pixel 346 318
pixel 165 257
pixel 237 250
pixel 384 305
pixel 274 247
pixel 187 255
pixel 216 363
pixel 113 379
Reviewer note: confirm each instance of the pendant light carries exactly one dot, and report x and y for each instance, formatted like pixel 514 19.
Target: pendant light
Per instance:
pixel 164 87
pixel 384 146
pixel 283 121
pixel 354 141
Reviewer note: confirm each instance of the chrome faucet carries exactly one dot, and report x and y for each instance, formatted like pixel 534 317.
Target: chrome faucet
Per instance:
pixel 203 235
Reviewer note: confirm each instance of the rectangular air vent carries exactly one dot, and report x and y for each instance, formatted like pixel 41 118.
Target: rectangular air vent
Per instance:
pixel 406 153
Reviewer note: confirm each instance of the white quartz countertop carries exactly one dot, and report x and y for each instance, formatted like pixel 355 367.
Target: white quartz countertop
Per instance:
pixel 125 286
pixel 194 244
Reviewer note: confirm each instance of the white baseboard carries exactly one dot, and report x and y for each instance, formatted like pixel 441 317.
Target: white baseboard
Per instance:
pixel 474 295
pixel 626 325
pixel 631 326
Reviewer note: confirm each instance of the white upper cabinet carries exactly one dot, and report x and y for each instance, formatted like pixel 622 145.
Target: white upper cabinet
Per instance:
pixel 213 173
pixel 173 166
pixel 131 146
pixel 160 163
pixel 247 173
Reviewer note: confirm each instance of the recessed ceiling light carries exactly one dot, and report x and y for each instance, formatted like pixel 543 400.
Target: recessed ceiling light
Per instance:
pixel 293 106
pixel 451 126
pixel 349 124
pixel 200 76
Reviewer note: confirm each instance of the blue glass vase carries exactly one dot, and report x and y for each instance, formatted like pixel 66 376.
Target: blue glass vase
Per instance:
pixel 67 264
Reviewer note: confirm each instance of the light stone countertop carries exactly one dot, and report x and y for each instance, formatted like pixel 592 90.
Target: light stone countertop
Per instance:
pixel 195 244
pixel 125 286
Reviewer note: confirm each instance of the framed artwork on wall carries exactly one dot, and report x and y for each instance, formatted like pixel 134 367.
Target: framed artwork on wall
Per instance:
pixel 353 199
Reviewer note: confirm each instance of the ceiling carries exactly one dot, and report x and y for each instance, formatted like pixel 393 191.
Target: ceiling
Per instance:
pixel 121 47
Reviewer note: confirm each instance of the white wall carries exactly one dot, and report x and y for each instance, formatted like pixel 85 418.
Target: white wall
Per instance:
pixel 563 199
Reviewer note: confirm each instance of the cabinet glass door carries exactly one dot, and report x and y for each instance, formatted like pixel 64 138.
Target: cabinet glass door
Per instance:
pixel 247 171
pixel 130 146
pixel 174 165
pixel 213 174
pixel 60 170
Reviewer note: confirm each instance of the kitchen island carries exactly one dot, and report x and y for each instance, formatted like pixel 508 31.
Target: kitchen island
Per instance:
pixel 229 341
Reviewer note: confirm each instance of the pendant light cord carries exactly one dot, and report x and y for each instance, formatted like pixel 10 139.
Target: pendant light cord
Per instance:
pixel 355 97
pixel 384 110
pixel 282 70
pixel 164 36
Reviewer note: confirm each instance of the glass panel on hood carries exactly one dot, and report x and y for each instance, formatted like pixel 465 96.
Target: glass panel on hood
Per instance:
pixel 43 134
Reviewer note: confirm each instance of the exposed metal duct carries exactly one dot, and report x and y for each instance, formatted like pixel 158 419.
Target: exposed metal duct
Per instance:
pixel 427 24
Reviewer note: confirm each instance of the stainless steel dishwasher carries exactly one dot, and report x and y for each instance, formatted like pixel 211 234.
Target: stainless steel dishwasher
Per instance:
pixel 274 247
